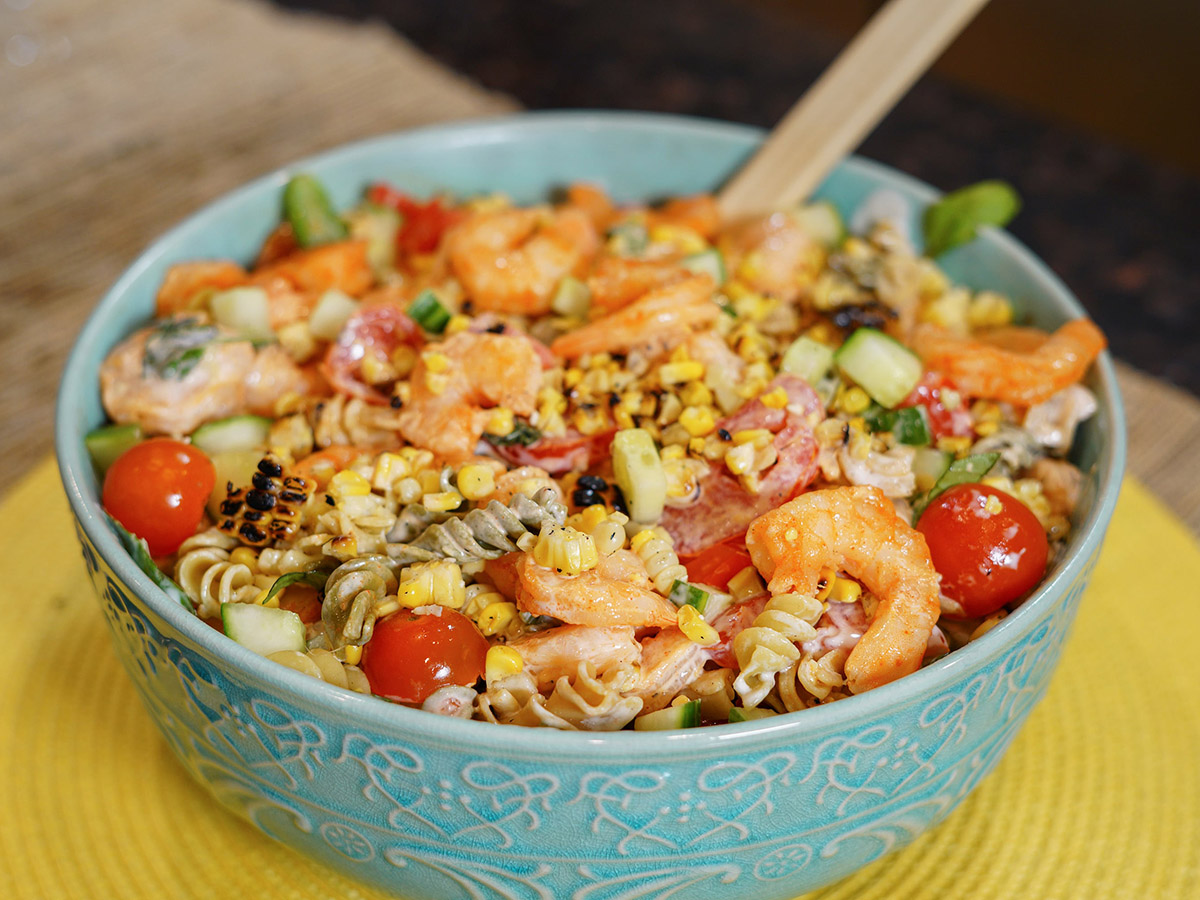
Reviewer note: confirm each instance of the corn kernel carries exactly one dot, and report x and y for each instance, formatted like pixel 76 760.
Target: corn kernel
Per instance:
pixel 695 393
pixel 844 590
pixel 955 444
pixel 993 505
pixel 442 501
pixel 698 420
pixel 475 481
pixel 986 429
pixel 686 240
pixel 622 419
pixel 740 459
pixel 404 360
pixel 502 661
pixel 297 341
pixel 697 445
pixel 695 629
pixel 348 483
pixel 680 372
pixel 592 516
pixel 673 451
pixel 432 583
pixel 776 399
pixel 437 382
pixel 825 582
pixel 375 370
pixel 430 481
pixel 566 550
pixel 745 583
pixel 458 323
pixel 989 309
pixel 388 468
pixel 641 538
pixel 495 617
pixel 353 654
pixel 501 421
pixel 261 599
pixel 436 361
pixel 760 437
pixel 243 556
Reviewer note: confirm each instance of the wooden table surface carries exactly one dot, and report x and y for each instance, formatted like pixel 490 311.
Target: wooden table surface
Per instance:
pixel 117 119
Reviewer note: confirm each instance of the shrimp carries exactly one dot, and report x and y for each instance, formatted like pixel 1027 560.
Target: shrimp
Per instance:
pixel 1015 365
pixel 773 255
pixel 447 409
pixel 527 480
pixel 617 592
pixel 856 529
pixel 550 655
pixel 342 265
pixel 670 662
pixel 274 375
pixel 616 282
pixel 657 321
pixel 185 280
pixel 699 214
pixel 512 260
pixel 594 202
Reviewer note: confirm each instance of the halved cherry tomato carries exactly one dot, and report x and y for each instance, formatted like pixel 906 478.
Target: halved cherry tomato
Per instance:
pixel 424 223
pixel 988 546
pixel 572 452
pixel 716 564
pixel 157 490
pixel 411 655
pixel 944 420
pixel 377 331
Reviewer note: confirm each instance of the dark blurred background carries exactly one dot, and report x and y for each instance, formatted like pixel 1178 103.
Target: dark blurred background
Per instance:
pixel 1089 107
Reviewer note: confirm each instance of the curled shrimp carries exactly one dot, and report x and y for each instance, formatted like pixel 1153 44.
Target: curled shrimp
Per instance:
pixel 456 381
pixel 615 282
pixel 655 322
pixel 1022 366
pixel 512 260
pixel 549 655
pixel 856 530
pixel 773 255
pixel 617 592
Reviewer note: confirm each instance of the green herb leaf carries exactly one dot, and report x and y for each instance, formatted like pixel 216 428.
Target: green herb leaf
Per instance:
pixel 961 471
pixel 523 434
pixel 140 551
pixel 174 347
pixel 315 578
pixel 955 218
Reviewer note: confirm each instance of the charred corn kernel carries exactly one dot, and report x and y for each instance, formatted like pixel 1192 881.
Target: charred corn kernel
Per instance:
pixel 853 400
pixel 757 436
pixel 993 505
pixel 825 333
pixel 955 444
pixel 243 556
pixel 442 501
pixel 989 309
pixel 348 483
pixel 746 583
pixel 680 372
pixel 830 431
pixel 572 377
pixel 353 655
pixel 682 478
pixel 590 421
pixel 844 590
pixel 825 582
pixel 740 459
pixel 672 451
pixel 437 583
pixel 375 370
pixel 669 409
pixel 501 421
pixel 475 482
pixel 986 429
pixel 565 549
pixel 436 361
pixel 496 616
pixel 404 359
pixel 698 420
pixel 297 341
pixel 692 624
pixel 502 661
pixel 458 323
pixel 775 399
pixel 695 393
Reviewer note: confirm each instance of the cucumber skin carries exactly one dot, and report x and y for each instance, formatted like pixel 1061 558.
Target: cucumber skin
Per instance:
pixel 686 715
pixel 233 433
pixel 263 629
pixel 107 443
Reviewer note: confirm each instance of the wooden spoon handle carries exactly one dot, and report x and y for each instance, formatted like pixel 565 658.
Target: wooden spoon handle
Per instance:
pixel 857 90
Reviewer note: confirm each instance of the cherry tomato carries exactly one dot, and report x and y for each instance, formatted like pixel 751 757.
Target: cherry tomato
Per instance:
pixel 572 452
pixel 377 330
pixel 943 420
pixel 715 565
pixel 410 656
pixel 424 223
pixel 988 546
pixel 157 489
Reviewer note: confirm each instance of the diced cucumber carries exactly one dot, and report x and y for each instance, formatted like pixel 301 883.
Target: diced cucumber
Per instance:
pixel 232 467
pixel 706 262
pixel 928 465
pixel 685 715
pixel 571 298
pixel 428 312
pixel 377 225
pixel 909 425
pixel 880 365
pixel 808 358
pixel 684 594
pixel 330 314
pixel 263 629
pixel 750 713
pixel 638 471
pixel 307 208
pixel 244 310
pixel 234 433
pixel 822 221
pixel 108 442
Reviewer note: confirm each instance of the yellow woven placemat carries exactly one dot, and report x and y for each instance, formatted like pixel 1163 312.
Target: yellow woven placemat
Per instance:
pixel 1098 798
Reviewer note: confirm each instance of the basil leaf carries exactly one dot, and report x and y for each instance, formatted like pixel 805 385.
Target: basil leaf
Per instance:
pixel 174 347
pixel 140 551
pixel 955 218
pixel 315 578
pixel 523 433
pixel 961 471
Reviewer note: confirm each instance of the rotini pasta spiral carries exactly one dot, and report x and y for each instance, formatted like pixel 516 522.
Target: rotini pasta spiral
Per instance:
pixel 768 647
pixel 822 676
pixel 209 578
pixel 482 533
pixel 657 551
pixel 323 665
pixel 353 592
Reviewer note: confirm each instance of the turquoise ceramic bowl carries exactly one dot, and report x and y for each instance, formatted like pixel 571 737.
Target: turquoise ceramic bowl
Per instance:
pixel 431 807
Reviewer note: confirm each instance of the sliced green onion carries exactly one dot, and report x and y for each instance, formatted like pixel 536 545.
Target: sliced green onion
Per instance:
pixel 307 208
pixel 428 312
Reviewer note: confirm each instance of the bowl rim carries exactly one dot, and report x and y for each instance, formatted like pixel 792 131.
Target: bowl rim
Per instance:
pixel 418 725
